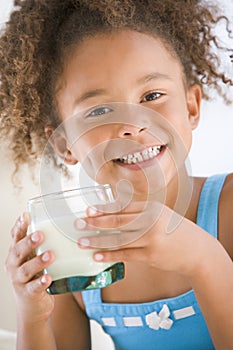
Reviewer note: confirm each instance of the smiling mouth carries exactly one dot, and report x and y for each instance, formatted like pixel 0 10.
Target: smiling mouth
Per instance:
pixel 142 156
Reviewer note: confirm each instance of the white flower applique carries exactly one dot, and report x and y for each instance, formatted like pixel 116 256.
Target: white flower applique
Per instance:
pixel 159 320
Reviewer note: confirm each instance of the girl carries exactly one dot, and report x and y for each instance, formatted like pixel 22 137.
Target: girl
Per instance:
pixel 60 58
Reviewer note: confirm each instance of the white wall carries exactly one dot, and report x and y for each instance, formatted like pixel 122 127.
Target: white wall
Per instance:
pixel 212 152
pixel 10 206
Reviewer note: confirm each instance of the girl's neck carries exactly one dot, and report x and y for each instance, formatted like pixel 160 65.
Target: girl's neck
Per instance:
pixel 178 192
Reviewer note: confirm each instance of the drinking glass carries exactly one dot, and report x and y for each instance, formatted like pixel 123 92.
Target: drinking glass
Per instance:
pixel 74 269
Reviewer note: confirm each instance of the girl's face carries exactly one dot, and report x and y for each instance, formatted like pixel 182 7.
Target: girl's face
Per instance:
pixel 138 70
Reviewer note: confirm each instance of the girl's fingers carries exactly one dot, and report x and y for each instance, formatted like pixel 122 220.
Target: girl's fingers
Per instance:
pixel 109 222
pixel 116 208
pixel 21 263
pixel 27 271
pixel 133 226
pixel 121 230
pixel 124 230
pixel 137 216
pixel 39 284
pixel 19 230
pixel 25 247
pixel 131 239
pixel 122 255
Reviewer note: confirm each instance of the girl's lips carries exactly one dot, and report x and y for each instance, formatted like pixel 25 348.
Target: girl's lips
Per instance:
pixel 142 163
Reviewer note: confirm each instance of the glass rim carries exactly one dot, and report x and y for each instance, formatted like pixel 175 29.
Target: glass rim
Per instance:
pixel 69 192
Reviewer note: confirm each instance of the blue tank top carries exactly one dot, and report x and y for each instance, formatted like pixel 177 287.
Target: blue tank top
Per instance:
pixel 168 324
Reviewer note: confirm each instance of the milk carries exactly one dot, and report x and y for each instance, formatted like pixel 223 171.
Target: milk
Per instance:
pixel 70 260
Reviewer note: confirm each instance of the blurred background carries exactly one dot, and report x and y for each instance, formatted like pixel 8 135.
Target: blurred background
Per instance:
pixel 212 152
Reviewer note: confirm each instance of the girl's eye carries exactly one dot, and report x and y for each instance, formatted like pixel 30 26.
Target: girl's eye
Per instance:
pixel 99 111
pixel 151 96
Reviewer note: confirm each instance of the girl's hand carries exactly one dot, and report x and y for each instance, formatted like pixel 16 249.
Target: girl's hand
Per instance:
pixel 24 269
pixel 149 232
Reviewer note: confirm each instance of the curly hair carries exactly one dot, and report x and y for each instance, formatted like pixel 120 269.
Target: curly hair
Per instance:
pixel 39 34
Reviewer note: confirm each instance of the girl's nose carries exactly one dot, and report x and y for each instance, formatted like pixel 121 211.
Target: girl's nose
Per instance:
pixel 127 130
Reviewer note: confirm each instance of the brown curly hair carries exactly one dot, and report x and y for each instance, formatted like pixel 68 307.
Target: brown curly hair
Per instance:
pixel 39 34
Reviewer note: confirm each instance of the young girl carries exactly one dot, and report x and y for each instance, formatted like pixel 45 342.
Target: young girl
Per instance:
pixel 59 58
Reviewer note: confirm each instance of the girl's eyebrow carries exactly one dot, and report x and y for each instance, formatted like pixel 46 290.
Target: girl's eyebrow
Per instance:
pixel 89 94
pixel 153 76
pixel 142 80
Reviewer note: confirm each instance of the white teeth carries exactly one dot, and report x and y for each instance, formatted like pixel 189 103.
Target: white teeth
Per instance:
pixel 151 155
pixel 145 154
pixel 129 159
pixel 138 156
pixel 148 153
pixel 155 152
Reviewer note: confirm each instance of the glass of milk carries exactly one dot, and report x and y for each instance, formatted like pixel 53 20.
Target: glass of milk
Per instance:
pixel 74 269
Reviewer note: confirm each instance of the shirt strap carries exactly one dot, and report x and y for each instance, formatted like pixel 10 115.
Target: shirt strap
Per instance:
pixel 207 213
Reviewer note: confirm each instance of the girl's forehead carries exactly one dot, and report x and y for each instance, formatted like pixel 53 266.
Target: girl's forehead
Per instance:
pixel 117 63
pixel 110 42
pixel 127 51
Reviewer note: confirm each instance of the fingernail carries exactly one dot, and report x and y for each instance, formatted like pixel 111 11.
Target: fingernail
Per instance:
pixel 92 211
pixel 43 279
pixel 21 220
pixel 98 257
pixel 84 242
pixel 46 257
pixel 35 237
pixel 80 224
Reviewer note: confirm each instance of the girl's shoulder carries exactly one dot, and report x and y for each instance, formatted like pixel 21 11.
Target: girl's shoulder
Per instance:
pixel 226 215
pixel 228 185
pixel 226 198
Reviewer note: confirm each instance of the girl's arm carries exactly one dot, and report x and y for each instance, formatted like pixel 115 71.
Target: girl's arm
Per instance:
pixel 217 277
pixel 36 336
pixel 213 286
pixel 67 329
pixel 71 326
pixel 43 321
pixel 185 249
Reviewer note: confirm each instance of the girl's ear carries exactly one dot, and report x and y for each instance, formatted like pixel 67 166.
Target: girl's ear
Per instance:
pixel 59 143
pixel 194 96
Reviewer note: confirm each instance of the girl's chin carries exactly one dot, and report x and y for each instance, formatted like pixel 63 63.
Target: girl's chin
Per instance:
pixel 140 184
pixel 126 190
